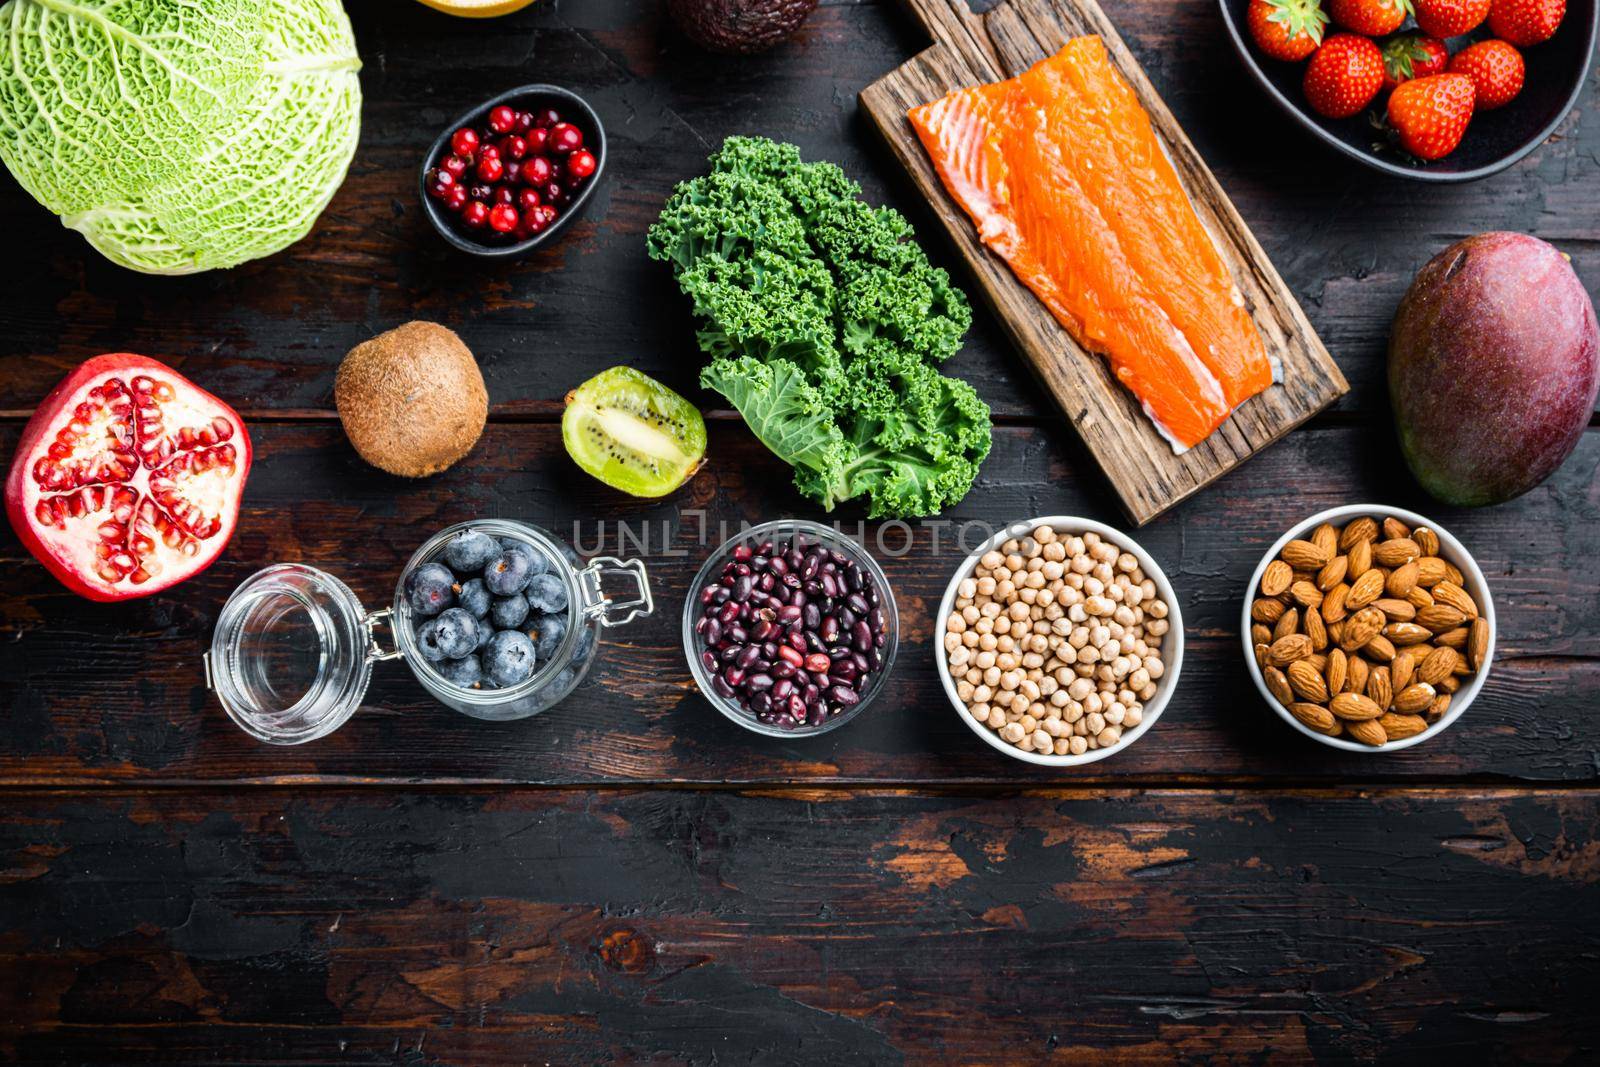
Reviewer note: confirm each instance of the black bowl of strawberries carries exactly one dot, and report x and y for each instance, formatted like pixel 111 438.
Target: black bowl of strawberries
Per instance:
pixel 1432 90
pixel 512 173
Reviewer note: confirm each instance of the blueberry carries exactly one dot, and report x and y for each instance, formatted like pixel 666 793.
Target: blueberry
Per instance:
pixel 474 596
pixel 547 595
pixel 509 612
pixel 510 658
pixel 562 680
pixel 470 551
pixel 428 589
pixel 585 645
pixel 466 672
pixel 507 573
pixel 485 632
pixel 455 632
pixel 537 564
pixel 550 630
pixel 428 641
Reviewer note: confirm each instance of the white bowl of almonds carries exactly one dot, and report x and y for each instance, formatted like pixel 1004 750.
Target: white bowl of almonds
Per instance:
pixel 1368 628
pixel 1061 641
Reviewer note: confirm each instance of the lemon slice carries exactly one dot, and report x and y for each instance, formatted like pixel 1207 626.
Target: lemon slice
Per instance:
pixel 478 9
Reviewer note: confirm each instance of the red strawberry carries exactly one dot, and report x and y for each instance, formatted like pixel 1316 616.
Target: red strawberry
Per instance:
pixel 1526 22
pixel 1496 71
pixel 1412 55
pixel 1430 114
pixel 1288 30
pixel 1343 76
pixel 1450 18
pixel 1375 18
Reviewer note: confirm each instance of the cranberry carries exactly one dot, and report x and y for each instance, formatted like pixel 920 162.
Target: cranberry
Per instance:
pixel 513 172
pixel 504 194
pixel 502 119
pixel 553 193
pixel 546 118
pixel 464 142
pixel 524 121
pixel 537 138
pixel 581 164
pixel 503 218
pixel 490 150
pixel 480 191
pixel 457 198
pixel 546 214
pixel 528 200
pixel 490 169
pixel 455 166
pixel 440 182
pixel 565 137
pixel 537 170
pixel 513 147
pixel 475 214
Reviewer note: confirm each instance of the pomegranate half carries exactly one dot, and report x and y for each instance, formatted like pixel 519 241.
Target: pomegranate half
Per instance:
pixel 128 478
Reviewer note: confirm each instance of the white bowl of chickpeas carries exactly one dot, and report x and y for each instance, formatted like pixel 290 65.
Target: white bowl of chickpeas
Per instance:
pixel 1061 641
pixel 1368 628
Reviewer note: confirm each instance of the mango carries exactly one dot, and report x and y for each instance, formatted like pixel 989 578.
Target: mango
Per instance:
pixel 1494 365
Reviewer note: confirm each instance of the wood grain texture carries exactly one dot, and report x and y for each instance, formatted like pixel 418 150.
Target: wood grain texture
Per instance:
pixel 877 928
pixel 100 694
pixel 1140 463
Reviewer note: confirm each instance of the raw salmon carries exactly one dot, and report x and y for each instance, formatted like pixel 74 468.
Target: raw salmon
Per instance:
pixel 1065 178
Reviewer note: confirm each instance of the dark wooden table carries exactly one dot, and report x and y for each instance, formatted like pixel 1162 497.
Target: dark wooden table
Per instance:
pixel 627 877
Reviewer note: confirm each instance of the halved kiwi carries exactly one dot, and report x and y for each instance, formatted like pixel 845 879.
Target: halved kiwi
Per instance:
pixel 633 433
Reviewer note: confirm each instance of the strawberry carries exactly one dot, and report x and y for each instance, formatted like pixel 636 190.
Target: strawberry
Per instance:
pixel 1343 76
pixel 1526 22
pixel 1288 30
pixel 1450 18
pixel 1375 18
pixel 1430 114
pixel 1496 71
pixel 1412 55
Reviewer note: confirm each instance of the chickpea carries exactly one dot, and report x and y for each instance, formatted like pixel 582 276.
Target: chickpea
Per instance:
pixel 1077 746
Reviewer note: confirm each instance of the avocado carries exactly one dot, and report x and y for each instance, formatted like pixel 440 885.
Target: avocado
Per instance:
pixel 739 27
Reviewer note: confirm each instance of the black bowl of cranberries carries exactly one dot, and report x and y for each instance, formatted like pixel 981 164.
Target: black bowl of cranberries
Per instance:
pixel 510 174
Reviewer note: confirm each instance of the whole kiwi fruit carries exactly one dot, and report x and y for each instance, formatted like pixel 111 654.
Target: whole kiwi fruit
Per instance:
pixel 412 399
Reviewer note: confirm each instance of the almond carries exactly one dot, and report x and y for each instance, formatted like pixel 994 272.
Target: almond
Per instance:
pixel 1276 578
pixel 1355 675
pixel 1402 579
pixel 1356 531
pixel 1426 540
pixel 1419 598
pixel 1259 634
pixel 1478 644
pixel 1354 706
pixel 1261 655
pixel 1364 590
pixel 1335 670
pixel 1361 627
pixel 1394 529
pixel 1396 610
pixel 1306 594
pixel 1326 538
pixel 1453 574
pixel 1307 683
pixel 1450 684
pixel 1401 670
pixel 1431 570
pixel 1395 552
pixel 1400 727
pixel 1378 688
pixel 1288 623
pixel 1305 556
pixel 1266 610
pixel 1440 617
pixel 1332 574
pixel 1315 717
pixel 1319 660
pixel 1406 633
pixel 1452 595
pixel 1368 732
pixel 1380 649
pixel 1456 638
pixel 1440 705
pixel 1414 699
pixel 1437 667
pixel 1278 685
pixel 1316 630
pixel 1333 603
pixel 1285 650
pixel 1360 559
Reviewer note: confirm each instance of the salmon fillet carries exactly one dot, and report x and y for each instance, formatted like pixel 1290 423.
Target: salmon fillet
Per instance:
pixel 1065 179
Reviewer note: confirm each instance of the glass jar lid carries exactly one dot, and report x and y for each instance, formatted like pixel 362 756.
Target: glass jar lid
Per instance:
pixel 292 654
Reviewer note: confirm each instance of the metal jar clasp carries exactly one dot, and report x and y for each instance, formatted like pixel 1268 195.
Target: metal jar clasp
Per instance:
pixel 610 611
pixel 375 652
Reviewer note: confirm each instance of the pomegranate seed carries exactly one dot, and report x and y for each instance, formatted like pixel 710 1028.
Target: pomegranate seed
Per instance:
pixel 537 138
pixel 502 119
pixel 581 164
pixel 475 214
pixel 455 166
pixel 513 147
pixel 527 200
pixel 503 218
pixel 490 169
pixel 546 118
pixel 565 137
pixel 537 170
pixel 464 142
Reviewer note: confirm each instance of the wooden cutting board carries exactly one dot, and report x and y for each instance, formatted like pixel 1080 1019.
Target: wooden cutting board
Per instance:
pixel 970 49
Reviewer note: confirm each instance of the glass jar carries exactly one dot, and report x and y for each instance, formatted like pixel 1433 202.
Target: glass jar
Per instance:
pixel 292 654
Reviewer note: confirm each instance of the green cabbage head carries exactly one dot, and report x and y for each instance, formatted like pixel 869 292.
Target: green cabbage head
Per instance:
pixel 179 135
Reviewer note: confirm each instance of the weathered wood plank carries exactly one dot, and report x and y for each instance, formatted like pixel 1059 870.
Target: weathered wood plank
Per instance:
pixel 715 927
pixel 95 693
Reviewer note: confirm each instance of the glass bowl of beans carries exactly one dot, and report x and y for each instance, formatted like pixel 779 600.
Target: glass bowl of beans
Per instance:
pixel 1061 641
pixel 790 629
